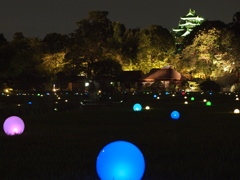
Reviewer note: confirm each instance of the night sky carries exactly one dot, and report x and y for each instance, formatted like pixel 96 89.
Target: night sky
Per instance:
pixel 36 18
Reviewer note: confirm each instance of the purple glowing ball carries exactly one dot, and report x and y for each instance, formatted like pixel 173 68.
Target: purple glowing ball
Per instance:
pixel 13 126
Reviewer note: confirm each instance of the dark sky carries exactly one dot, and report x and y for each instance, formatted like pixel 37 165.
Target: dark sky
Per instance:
pixel 36 18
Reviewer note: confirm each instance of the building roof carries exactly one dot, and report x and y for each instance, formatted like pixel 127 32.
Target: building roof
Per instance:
pixel 164 74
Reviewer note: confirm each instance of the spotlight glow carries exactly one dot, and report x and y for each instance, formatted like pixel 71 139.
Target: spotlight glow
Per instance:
pixel 120 160
pixel 175 115
pixel 13 125
pixel 137 107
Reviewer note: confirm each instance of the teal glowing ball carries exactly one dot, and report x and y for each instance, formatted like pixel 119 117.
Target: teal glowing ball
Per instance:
pixel 120 160
pixel 137 107
pixel 175 115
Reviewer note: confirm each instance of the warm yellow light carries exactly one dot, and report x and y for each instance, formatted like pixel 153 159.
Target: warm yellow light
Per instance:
pixel 186 102
pixel 147 108
pixel 237 99
pixel 236 111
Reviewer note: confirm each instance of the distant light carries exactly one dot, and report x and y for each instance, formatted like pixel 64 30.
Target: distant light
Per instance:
pixel 210 93
pixel 186 102
pixel 175 115
pixel 167 93
pixel 185 97
pixel 147 107
pixel 183 93
pixel 120 160
pixel 236 111
pixel 137 107
pixel 192 98
pixel 158 97
pixel 208 103
pixel 13 125
pixel 204 100
pixel 237 99
pixel 86 84
pixel 29 102
pixel 173 95
pixel 154 95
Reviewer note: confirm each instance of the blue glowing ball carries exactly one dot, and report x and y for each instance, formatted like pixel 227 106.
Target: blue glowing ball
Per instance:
pixel 120 160
pixel 137 107
pixel 175 115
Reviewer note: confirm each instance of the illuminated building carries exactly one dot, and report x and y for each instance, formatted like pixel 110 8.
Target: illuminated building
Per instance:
pixel 187 23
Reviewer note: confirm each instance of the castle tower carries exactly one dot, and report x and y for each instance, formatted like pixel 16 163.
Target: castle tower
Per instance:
pixel 187 23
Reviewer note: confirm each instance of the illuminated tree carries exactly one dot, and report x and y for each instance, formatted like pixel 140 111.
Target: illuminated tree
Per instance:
pixel 210 53
pixel 89 42
pixel 156 44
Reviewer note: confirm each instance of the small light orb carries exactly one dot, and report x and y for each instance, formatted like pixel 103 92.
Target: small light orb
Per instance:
pixel 185 97
pixel 167 93
pixel 208 103
pixel 192 98
pixel 173 95
pixel 13 125
pixel 183 93
pixel 120 160
pixel 175 115
pixel 186 102
pixel 147 107
pixel 137 107
pixel 236 111
pixel 204 100
pixel 237 99
pixel 154 95
pixel 158 97
pixel 29 102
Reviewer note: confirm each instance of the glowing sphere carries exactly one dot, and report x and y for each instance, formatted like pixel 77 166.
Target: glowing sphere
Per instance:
pixel 13 125
pixel 204 100
pixel 137 107
pixel 237 99
pixel 120 160
pixel 175 115
pixel 192 98
pixel 186 102
pixel 208 103
pixel 236 111
pixel 147 107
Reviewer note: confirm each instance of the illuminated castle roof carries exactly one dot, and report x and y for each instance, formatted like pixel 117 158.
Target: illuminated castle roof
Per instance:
pixel 187 23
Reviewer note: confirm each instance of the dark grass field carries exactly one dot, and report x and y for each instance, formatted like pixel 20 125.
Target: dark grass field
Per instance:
pixel 204 144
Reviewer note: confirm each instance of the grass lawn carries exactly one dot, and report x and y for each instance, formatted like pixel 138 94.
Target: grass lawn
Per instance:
pixel 204 144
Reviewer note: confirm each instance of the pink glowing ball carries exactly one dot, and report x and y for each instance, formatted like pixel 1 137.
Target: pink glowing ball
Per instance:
pixel 13 126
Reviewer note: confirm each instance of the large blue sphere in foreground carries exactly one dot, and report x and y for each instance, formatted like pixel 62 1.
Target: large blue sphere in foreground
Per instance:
pixel 120 160
pixel 137 107
pixel 175 115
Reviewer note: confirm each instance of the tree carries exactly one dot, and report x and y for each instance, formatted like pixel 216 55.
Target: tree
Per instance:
pixel 211 51
pixel 156 44
pixel 89 42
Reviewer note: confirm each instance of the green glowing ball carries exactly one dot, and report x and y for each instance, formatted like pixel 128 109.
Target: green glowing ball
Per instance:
pixel 208 103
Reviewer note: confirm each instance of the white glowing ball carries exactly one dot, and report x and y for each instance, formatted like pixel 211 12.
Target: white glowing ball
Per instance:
pixel 204 100
pixel 13 125
pixel 120 160
pixel 236 111
pixel 186 102
pixel 237 99
pixel 147 107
